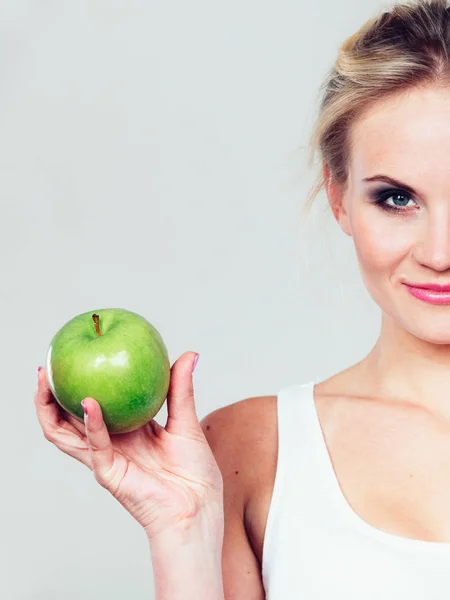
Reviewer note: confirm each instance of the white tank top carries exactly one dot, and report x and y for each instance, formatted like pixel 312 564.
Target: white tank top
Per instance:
pixel 316 547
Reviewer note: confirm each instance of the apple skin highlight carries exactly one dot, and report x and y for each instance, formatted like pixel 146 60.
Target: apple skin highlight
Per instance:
pixel 114 356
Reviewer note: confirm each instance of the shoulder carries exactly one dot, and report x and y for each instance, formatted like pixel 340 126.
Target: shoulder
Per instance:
pixel 238 436
pixel 242 437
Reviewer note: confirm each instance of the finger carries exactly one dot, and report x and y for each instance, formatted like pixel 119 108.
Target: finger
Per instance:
pixel 182 415
pixel 78 425
pixel 48 400
pixel 50 414
pixel 57 424
pixel 99 442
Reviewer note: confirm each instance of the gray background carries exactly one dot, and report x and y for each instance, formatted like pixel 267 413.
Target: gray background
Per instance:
pixel 153 157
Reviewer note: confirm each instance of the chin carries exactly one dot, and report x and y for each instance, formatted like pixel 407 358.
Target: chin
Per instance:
pixel 427 322
pixel 436 332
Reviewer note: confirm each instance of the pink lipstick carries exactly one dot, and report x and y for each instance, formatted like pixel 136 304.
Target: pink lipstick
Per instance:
pixel 435 294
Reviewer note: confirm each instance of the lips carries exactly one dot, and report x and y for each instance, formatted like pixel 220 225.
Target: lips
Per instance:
pixel 434 287
pixel 427 294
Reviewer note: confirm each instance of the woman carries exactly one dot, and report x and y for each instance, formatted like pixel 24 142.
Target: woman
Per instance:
pixel 342 489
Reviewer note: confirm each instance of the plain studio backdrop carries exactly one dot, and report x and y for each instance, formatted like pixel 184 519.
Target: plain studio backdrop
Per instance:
pixel 153 157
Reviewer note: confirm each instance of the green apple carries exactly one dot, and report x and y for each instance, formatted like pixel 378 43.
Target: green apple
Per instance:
pixel 114 356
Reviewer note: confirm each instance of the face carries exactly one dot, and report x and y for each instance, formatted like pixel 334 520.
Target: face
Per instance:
pixel 401 231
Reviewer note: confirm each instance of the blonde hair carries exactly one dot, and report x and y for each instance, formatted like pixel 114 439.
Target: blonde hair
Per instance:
pixel 405 47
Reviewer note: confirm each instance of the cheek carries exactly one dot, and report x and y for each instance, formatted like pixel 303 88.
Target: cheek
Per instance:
pixel 381 242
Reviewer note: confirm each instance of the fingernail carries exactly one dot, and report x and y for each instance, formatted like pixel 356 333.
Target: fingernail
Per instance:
pixel 195 362
pixel 84 407
pixel 40 369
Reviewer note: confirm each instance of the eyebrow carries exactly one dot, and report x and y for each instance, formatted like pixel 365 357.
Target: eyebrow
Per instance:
pixel 391 181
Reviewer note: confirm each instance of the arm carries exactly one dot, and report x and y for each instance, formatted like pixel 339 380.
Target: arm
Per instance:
pixel 214 560
pixel 226 430
pixel 187 563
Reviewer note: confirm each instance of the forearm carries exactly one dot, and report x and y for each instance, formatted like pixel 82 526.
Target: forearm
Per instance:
pixel 187 565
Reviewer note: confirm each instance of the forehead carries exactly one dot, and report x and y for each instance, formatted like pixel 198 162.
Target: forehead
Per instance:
pixel 404 132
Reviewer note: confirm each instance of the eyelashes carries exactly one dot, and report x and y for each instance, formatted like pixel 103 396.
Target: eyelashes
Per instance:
pixel 380 198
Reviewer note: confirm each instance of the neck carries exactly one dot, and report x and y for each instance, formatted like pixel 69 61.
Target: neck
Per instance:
pixel 406 367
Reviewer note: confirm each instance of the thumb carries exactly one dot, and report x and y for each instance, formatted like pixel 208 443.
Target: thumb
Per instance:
pixel 181 414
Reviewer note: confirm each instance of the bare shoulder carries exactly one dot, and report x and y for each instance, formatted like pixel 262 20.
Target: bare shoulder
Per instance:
pixel 241 435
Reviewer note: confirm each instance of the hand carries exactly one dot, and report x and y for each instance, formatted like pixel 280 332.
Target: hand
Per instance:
pixel 164 476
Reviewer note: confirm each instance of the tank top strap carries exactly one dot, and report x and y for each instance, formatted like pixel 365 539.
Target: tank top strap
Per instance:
pixel 303 457
pixel 304 500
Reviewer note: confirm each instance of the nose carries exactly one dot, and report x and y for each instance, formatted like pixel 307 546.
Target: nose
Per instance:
pixel 433 248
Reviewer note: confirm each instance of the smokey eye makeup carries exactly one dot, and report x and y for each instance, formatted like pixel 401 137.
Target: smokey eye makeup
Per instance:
pixel 393 200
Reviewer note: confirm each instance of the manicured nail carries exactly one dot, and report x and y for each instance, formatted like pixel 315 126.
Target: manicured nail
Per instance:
pixel 195 362
pixel 40 369
pixel 84 407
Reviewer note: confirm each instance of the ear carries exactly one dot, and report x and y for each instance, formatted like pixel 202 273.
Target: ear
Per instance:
pixel 337 200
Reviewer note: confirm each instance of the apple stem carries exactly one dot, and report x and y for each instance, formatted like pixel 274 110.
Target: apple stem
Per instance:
pixel 97 324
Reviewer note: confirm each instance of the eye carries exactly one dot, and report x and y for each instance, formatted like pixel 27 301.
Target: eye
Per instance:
pixel 400 200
